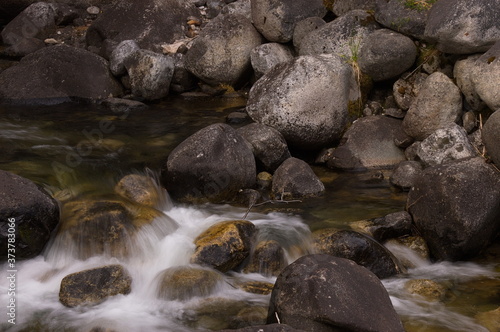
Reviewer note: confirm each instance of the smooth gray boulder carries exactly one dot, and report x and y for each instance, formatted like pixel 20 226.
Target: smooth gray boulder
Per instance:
pixel 464 71
pixel 120 54
pixel 485 75
pixel 305 99
pixel 150 74
pixel 213 164
pixel 463 26
pixel 58 74
pixel 276 19
pixel 446 145
pixel 264 57
pixel 438 104
pixel 385 54
pixel 221 53
pixel 397 15
pixel 340 294
pixel 455 207
pixel 368 143
pixel 491 137
pixel 405 174
pixel 295 179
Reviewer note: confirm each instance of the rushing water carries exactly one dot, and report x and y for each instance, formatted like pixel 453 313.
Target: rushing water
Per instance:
pixel 83 150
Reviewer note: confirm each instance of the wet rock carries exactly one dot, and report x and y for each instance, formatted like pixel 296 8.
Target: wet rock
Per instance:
pixel 416 244
pixel 485 74
pixel 309 85
pixel 463 26
pixel 26 211
pixel 141 189
pixel 397 16
pixel 304 27
pixel 340 293
pixel 336 37
pixel 406 89
pixel 225 245
pixel 120 54
pixel 268 258
pixel 221 53
pixel 359 248
pixel 295 179
pixel 385 54
pixel 368 143
pixel 268 145
pixel 446 145
pixel 393 225
pixel 464 197
pixel 123 106
pixel 438 104
pixel 491 137
pixel 91 287
pixel 489 319
pixel 462 71
pixel 212 164
pixel 276 20
pixel 266 328
pixel 48 77
pixel 256 287
pixel 264 57
pixel 405 174
pixel 149 22
pixel 185 282
pixel 428 289
pixel 36 21
pixel 341 7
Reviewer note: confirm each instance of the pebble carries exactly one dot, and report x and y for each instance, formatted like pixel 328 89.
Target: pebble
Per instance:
pixel 93 10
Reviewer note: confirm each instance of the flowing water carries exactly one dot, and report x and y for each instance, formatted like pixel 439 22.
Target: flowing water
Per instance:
pixel 83 150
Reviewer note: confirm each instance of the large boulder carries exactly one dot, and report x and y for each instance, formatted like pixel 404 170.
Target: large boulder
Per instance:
pixel 221 53
pixel 463 26
pixel 213 164
pixel 368 143
pixel 340 295
pixel 28 215
pixel 491 137
pixel 305 99
pixel 456 207
pixel 91 287
pixel 295 179
pixel 438 104
pixel 359 248
pixel 485 74
pixel 58 74
pixel 149 22
pixel 340 7
pixel 276 19
pixel 225 245
pixel 399 16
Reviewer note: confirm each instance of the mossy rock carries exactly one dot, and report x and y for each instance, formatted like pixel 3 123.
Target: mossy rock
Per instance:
pixel 185 282
pixel 141 189
pixel 428 289
pixel 91 287
pixel 225 245
pixel 256 287
pixel 268 258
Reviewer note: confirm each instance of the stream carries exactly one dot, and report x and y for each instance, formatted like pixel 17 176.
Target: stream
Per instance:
pixel 83 150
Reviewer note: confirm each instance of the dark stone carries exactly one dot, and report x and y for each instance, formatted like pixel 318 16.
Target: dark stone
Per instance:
pixel 268 258
pixel 405 174
pixel 295 179
pixel 24 47
pixel 391 226
pixel 491 137
pixel 266 328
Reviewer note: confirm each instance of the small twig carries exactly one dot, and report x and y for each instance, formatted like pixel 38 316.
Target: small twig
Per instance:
pixel 277 318
pixel 270 201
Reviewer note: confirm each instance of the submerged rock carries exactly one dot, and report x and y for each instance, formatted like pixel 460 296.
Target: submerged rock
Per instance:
pixel 268 258
pixel 141 189
pixel 339 293
pixel 428 289
pixel 91 287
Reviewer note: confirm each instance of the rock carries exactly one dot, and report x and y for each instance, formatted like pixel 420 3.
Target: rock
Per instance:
pixel 36 21
pixel 91 287
pixel 455 207
pixel 405 174
pixel 391 226
pixel 385 54
pixel 368 143
pixel 150 74
pixel 225 245
pixel 123 106
pixel 141 189
pixel 182 80
pixel 341 37
pixel 120 54
pixel 214 7
pixel 341 7
pixel 438 104
pixel 359 248
pixel 446 145
pixel 48 77
pixel 24 47
pixel 185 282
pixel 221 53
pixel 264 57
pixel 463 26
pixel 399 16
pixel 276 20
pixel 486 73
pixel 490 319
pixel 491 137
pixel 305 99
pixel 469 121
pixel 211 165
pixel 256 287
pixel 242 7
pixel 405 89
pixel 266 328
pixel 304 27
pixel 26 211
pixel 463 73
pixel 149 22
pixel 264 180
pixel 428 289
pixel 268 145
pixel 340 293
pixel 268 258
pixel 295 179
